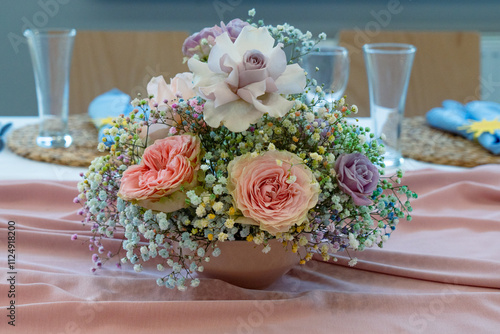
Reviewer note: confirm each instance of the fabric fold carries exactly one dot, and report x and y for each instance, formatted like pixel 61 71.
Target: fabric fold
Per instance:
pixel 438 273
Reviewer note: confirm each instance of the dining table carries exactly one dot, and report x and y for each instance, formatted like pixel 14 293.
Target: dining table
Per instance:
pixel 438 273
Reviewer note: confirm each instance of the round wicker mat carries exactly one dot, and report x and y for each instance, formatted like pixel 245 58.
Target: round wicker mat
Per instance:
pixel 82 151
pixel 421 142
pixel 418 141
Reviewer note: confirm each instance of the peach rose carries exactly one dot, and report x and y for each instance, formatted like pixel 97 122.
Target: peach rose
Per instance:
pixel 166 166
pixel 274 190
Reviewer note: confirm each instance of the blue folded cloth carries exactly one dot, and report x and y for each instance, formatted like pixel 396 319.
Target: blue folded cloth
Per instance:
pixel 104 108
pixel 454 117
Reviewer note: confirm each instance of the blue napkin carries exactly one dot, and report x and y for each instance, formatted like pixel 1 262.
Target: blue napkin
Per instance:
pixel 453 116
pixel 107 106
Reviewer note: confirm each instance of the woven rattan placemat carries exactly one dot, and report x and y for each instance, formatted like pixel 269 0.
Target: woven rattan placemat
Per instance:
pixel 419 141
pixel 82 151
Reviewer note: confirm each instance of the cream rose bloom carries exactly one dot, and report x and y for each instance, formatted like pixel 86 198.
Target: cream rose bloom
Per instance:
pixel 243 80
pixel 272 195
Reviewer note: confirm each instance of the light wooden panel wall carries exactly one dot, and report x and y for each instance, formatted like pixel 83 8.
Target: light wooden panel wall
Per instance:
pixel 126 60
pixel 446 66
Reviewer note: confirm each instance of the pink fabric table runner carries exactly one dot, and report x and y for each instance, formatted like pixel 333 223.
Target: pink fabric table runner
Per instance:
pixel 439 273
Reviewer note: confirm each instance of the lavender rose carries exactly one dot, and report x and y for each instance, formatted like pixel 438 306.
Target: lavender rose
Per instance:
pixel 193 44
pixel 357 177
pixel 196 45
pixel 233 28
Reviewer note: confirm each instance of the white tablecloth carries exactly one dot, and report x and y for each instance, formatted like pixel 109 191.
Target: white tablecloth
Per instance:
pixel 14 167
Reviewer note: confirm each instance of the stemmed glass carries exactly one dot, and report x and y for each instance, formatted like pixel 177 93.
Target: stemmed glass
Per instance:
pixel 329 66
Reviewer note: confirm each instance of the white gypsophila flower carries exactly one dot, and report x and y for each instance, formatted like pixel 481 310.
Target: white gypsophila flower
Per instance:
pixel 354 243
pixel 303 240
pixel 135 102
pixel 200 211
pixel 218 207
pixel 218 189
pixel 291 179
pixel 113 131
pixel 309 117
pixel 229 223
pixel 222 236
pixel 353 262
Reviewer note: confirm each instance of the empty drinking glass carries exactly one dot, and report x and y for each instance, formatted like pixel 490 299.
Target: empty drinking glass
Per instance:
pixel 388 66
pixel 51 52
pixel 328 66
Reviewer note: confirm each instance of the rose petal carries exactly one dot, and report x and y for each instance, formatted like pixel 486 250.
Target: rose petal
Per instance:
pixel 219 93
pixel 223 46
pixel 292 81
pixel 251 92
pixel 202 76
pixel 236 116
pixel 158 87
pixel 277 63
pixel 273 104
pixel 254 38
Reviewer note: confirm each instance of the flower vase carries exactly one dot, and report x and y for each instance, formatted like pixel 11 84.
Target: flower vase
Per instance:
pixel 243 264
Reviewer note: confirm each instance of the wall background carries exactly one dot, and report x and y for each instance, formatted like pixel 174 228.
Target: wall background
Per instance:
pixel 17 88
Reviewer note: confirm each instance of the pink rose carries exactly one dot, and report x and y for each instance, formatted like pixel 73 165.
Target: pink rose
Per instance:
pixel 244 80
pixel 166 166
pixel 357 177
pixel 155 132
pixel 274 190
pixel 180 86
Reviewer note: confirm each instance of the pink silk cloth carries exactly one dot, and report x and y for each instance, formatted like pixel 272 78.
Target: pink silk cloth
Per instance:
pixel 439 273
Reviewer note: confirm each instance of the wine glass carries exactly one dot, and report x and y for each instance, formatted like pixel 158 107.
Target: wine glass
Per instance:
pixel 329 66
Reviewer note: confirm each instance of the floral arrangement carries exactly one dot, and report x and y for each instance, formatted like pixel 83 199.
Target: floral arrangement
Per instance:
pixel 233 150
